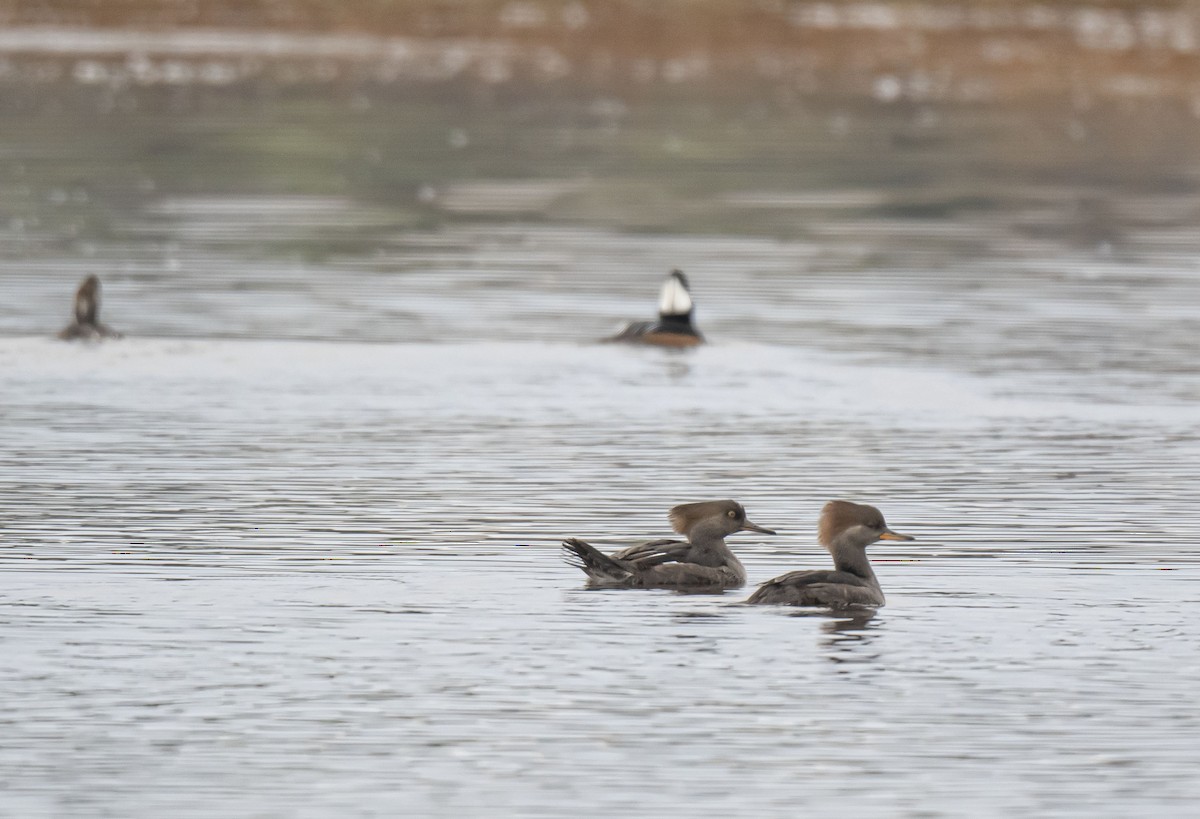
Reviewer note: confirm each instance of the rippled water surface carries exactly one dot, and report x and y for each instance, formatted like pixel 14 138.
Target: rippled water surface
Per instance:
pixel 291 547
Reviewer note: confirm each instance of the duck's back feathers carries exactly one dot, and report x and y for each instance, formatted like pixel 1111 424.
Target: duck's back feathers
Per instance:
pixel 633 331
pixel 832 589
pixel 669 333
pixel 658 564
pixel 654 553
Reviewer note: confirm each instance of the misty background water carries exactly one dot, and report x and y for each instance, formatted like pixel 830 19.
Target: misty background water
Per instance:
pixel 290 548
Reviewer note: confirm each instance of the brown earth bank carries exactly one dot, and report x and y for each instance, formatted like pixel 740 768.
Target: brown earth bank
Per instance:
pixel 917 51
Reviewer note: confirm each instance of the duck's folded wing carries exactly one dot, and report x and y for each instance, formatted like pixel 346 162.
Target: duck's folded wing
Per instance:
pixel 654 553
pixel 816 588
pixel 632 331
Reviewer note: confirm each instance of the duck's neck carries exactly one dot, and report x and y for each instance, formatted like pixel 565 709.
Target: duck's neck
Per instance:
pixel 710 539
pixel 851 557
pixel 674 320
pixel 707 534
pixel 710 549
pixel 86 308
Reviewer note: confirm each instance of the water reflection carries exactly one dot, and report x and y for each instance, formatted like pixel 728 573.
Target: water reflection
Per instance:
pixel 676 367
pixel 849 636
pixel 847 632
pixel 847 621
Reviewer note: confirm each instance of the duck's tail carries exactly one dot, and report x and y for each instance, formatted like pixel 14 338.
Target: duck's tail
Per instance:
pixel 599 567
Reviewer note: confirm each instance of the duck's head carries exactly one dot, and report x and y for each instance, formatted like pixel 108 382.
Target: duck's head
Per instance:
pixel 721 517
pixel 675 300
pixel 853 524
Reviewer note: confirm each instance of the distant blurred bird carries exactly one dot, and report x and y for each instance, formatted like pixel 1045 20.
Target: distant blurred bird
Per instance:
pixel 87 314
pixel 674 326
pixel 701 563
pixel 846 530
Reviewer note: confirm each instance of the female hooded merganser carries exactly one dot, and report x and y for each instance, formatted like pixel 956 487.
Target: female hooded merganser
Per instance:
pixel 846 529
pixel 87 314
pixel 674 326
pixel 701 563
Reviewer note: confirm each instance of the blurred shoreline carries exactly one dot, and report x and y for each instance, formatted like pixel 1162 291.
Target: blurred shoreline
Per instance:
pixel 909 135
pixel 953 52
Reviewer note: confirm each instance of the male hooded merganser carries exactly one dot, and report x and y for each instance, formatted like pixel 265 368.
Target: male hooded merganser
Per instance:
pixel 701 563
pixel 846 530
pixel 87 314
pixel 674 326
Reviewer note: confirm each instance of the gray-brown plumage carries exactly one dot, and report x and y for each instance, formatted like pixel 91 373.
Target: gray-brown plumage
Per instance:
pixel 701 563
pixel 87 314
pixel 846 529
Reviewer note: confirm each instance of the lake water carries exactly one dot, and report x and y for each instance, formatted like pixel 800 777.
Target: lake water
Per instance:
pixel 291 547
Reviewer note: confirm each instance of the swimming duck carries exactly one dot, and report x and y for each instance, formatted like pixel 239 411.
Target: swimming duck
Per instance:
pixel 846 529
pixel 674 326
pixel 701 563
pixel 87 314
